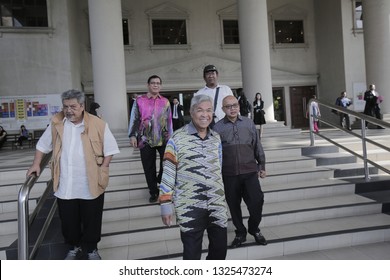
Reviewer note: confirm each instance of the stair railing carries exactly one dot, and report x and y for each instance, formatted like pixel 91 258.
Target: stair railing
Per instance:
pixel 25 220
pixel 362 135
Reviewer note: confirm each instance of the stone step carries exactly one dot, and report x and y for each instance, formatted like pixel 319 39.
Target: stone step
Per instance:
pixel 136 218
pixel 350 170
pixel 136 195
pixel 306 208
pixel 282 239
pixel 118 207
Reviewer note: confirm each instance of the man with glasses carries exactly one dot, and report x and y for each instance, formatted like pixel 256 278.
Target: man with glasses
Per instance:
pixel 242 165
pixel 82 147
pixel 149 129
pixel 216 91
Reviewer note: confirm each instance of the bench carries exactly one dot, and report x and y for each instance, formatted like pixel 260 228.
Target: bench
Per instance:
pixel 12 139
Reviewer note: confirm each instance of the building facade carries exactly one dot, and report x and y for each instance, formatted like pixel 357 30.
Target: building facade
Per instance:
pixel 288 50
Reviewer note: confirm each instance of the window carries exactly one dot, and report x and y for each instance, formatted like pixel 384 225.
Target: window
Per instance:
pixel 230 32
pixel 288 25
pixel 23 13
pixel 228 18
pixel 125 28
pixel 357 15
pixel 168 25
pixel 169 32
pixel 289 32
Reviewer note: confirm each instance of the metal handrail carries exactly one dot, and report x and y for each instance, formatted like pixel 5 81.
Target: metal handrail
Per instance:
pixel 25 220
pixel 364 118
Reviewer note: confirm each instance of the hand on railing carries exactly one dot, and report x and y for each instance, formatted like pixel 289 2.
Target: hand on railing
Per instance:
pixel 34 170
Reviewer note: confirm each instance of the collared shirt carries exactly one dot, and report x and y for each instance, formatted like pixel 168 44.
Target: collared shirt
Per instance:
pixel 151 121
pixel 345 102
pixel 241 147
pixel 315 108
pixel 223 92
pixel 192 179
pixel 24 133
pixel 73 175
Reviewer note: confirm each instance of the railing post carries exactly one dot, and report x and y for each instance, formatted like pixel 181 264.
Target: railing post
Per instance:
pixel 23 211
pixel 364 146
pixel 23 222
pixel 311 124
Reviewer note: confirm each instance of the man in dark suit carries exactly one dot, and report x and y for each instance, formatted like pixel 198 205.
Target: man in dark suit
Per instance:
pixel 372 99
pixel 177 114
pixel 133 98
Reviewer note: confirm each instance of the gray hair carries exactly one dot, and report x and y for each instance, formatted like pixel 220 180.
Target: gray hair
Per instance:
pixel 73 94
pixel 196 100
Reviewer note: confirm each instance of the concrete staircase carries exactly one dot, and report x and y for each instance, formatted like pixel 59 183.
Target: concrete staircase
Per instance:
pixel 310 204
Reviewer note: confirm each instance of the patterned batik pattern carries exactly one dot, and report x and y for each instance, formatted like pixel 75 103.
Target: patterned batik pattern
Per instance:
pixel 192 179
pixel 151 121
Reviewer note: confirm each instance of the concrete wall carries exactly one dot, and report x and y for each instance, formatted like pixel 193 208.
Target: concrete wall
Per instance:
pixel 354 59
pixel 39 62
pixel 295 60
pixel 330 48
pixel 181 69
pixel 51 63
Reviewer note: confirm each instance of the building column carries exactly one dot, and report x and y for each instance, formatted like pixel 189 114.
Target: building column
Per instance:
pixel 108 61
pixel 376 25
pixel 255 54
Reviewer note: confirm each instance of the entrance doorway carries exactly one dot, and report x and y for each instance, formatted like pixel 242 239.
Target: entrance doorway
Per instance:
pixel 299 97
pixel 279 104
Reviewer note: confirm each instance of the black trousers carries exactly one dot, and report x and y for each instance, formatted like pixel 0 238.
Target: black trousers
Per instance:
pixel 373 112
pixel 21 139
pixel 81 221
pixel 177 123
pixel 247 187
pixel 148 159
pixel 192 243
pixel 347 121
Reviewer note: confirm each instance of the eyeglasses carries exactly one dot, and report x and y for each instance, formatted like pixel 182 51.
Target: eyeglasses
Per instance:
pixel 155 83
pixel 232 106
pixel 71 107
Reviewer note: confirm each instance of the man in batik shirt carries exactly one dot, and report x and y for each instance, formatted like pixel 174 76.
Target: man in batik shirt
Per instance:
pixel 149 130
pixel 192 181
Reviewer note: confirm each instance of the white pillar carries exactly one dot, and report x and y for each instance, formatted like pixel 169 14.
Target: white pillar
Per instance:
pixel 255 54
pixel 108 60
pixel 376 25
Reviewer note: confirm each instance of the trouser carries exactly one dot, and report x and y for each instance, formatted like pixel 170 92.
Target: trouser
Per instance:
pixel 21 139
pixel 2 141
pixel 192 243
pixel 176 123
pixel 148 159
pixel 247 187
pixel 81 221
pixel 373 112
pixel 315 126
pixel 347 122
